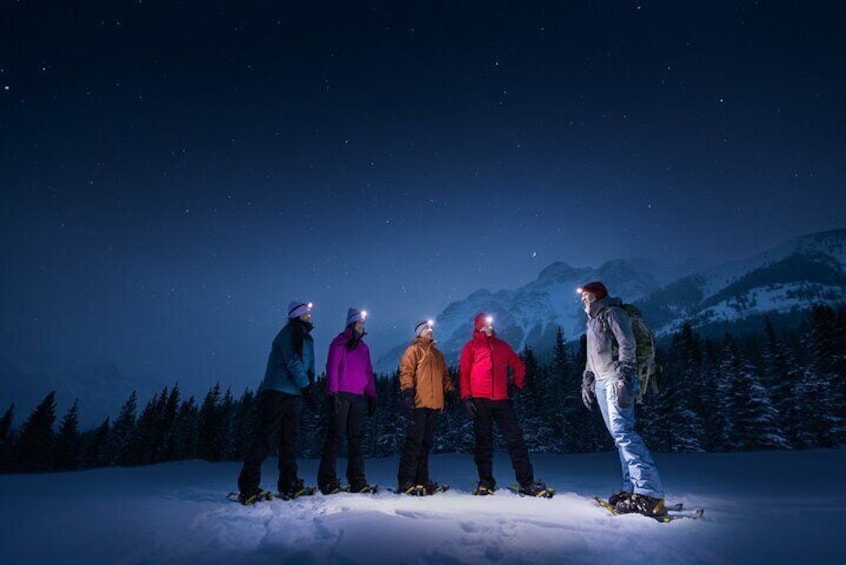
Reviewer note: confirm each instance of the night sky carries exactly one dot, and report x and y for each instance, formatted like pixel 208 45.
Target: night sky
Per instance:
pixel 173 173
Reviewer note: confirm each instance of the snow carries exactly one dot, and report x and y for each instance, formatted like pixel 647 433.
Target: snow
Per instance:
pixel 762 507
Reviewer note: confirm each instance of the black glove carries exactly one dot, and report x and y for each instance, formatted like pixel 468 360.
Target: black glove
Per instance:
pixel 470 406
pixel 310 375
pixel 334 403
pixel 588 381
pixel 512 390
pixel 449 401
pixel 624 388
pixel 371 405
pixel 309 397
pixel 408 400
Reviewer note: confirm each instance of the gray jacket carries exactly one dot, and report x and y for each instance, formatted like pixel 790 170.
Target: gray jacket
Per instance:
pixel 610 340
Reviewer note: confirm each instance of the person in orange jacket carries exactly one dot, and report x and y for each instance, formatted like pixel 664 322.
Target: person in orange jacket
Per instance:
pixel 425 384
pixel 485 385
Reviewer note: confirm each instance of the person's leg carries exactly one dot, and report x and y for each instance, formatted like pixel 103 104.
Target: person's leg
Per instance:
pixel 355 423
pixel 411 449
pixel 429 423
pixel 506 420
pixel 338 410
pixel 288 443
pixel 269 407
pixel 483 430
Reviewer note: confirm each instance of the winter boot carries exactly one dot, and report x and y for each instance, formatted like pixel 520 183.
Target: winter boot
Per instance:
pixel 251 497
pixel 409 488
pixel 641 504
pixel 537 489
pixel 431 487
pixel 333 487
pixel 618 497
pixel 362 487
pixel 485 487
pixel 295 489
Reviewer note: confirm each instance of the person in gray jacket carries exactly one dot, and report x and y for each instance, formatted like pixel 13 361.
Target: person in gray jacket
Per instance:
pixel 611 377
pixel 288 377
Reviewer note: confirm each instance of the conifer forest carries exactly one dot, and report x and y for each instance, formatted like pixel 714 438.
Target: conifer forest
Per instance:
pixel 776 389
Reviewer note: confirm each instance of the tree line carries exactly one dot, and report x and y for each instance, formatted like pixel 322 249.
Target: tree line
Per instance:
pixel 773 390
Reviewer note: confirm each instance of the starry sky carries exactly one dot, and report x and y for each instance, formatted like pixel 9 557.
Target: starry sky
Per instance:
pixel 174 173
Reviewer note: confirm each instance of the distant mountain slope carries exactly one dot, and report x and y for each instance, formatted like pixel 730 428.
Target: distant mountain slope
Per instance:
pixel 531 314
pixel 782 281
pixel 786 279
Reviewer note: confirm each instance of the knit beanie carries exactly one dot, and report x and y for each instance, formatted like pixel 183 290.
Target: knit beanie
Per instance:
pixel 297 308
pixel 596 288
pixel 422 325
pixel 480 321
pixel 354 315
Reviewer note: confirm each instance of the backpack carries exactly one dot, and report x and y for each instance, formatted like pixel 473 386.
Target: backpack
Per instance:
pixel 647 368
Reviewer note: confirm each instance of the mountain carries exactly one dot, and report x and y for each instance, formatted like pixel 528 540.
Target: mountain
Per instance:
pixel 531 314
pixel 781 283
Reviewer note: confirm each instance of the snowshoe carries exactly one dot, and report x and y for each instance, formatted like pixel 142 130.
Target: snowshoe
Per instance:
pixel 485 488
pixel 333 488
pixel 363 488
pixel 411 489
pixel 641 504
pixel 431 487
pixel 536 489
pixel 292 494
pixel 250 498
pixel 673 511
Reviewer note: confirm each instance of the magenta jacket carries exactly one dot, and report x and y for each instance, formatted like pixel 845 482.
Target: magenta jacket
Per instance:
pixel 349 370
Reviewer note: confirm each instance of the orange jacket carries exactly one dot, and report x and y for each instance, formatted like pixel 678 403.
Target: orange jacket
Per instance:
pixel 483 368
pixel 423 367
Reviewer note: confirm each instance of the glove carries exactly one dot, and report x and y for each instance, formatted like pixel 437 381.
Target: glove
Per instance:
pixel 310 375
pixel 334 404
pixel 371 405
pixel 588 381
pixel 449 401
pixel 470 406
pixel 512 390
pixel 408 400
pixel 309 397
pixel 624 386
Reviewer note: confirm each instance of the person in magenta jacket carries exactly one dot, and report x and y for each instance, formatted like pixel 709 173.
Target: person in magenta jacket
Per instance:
pixel 351 392
pixel 484 384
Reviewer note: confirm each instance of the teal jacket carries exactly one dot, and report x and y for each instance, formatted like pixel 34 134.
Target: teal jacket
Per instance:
pixel 290 365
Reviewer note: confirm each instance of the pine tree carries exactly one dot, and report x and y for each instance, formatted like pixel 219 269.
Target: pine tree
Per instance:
pixel 6 439
pixel 676 423
pixel 783 377
pixel 752 420
pixel 210 445
pixel 819 393
pixel 185 431
pixel 95 444
pixel 119 446
pixel 34 450
pixel 69 441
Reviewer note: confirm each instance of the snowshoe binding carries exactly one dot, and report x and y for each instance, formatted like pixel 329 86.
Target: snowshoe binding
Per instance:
pixel 250 498
pixel 296 490
pixel 485 488
pixel 535 489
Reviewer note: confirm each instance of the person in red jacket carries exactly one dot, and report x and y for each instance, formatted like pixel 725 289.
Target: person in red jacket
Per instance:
pixel 485 384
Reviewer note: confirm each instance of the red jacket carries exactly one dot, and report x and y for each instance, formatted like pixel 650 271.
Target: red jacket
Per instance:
pixel 482 369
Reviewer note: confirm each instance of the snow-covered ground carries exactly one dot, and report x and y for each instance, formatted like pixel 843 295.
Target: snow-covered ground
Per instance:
pixel 764 507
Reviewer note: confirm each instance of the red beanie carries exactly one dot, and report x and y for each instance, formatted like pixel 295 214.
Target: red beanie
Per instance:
pixel 596 288
pixel 480 321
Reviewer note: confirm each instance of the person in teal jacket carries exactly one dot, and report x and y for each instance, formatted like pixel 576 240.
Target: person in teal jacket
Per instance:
pixel 288 378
